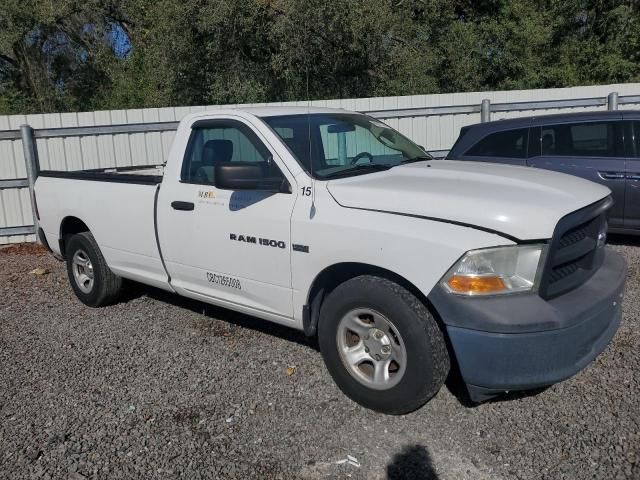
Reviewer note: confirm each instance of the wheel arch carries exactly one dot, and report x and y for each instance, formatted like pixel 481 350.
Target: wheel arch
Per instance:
pixel 338 273
pixel 70 225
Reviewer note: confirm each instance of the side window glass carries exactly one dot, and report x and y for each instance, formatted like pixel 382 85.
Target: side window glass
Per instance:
pixel 221 143
pixel 508 144
pixel 594 139
pixel 590 139
pixel 549 141
pixel 295 139
pixel 285 133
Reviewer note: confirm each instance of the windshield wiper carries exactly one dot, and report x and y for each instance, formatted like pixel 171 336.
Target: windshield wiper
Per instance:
pixel 358 169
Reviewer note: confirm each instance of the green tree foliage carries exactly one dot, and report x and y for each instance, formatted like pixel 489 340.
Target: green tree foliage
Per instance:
pixel 94 54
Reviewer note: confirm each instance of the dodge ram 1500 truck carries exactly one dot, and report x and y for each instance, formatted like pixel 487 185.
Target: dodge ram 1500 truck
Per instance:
pixel 333 223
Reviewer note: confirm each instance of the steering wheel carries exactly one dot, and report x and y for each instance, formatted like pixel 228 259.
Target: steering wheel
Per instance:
pixel 360 156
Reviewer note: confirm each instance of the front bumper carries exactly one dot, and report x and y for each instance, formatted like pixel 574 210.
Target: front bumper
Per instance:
pixel 520 342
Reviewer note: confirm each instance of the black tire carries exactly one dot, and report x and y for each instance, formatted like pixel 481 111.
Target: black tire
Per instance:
pixel 106 285
pixel 427 358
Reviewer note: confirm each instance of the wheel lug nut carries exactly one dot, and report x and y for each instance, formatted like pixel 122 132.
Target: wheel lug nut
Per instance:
pixel 386 349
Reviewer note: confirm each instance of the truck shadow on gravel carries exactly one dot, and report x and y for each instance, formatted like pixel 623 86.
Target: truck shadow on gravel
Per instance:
pixel 133 291
pixel 413 462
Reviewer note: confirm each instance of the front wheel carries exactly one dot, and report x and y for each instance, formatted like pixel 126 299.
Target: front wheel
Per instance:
pixel 381 345
pixel 91 279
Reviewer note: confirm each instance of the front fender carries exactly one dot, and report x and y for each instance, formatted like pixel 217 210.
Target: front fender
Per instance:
pixel 418 250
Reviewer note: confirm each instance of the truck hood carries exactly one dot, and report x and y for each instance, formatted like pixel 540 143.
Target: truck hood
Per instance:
pixel 521 202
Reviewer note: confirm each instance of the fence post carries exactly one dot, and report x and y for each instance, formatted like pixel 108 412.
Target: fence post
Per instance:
pixel 612 101
pixel 485 111
pixel 31 161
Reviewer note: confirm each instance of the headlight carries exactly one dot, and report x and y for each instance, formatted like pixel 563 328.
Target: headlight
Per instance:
pixel 499 270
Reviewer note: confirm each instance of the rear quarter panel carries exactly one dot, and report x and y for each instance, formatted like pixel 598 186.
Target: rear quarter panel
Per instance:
pixel 119 215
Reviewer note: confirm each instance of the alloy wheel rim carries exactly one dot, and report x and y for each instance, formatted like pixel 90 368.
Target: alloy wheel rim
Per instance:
pixel 82 271
pixel 371 348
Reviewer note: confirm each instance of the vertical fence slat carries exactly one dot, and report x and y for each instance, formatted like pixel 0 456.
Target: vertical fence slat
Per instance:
pixel 105 142
pixel 153 140
pixel 136 140
pixel 72 145
pixel 121 144
pixel 90 157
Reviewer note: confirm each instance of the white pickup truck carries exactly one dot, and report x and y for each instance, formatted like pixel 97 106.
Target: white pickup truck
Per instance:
pixel 333 223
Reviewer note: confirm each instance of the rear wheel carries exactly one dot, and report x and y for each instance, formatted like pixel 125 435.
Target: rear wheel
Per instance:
pixel 91 279
pixel 381 345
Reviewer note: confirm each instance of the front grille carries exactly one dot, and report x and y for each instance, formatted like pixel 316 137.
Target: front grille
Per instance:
pixel 563 271
pixel 574 236
pixel 573 254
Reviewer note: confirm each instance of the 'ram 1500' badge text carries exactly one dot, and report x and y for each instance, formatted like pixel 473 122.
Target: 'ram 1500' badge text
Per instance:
pixel 257 241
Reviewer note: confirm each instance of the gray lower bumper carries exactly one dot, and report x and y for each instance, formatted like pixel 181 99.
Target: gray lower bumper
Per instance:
pixel 523 341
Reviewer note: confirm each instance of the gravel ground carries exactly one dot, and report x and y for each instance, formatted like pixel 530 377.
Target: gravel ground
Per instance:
pixel 161 387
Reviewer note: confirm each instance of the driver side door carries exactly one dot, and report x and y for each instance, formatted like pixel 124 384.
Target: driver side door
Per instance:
pixel 222 246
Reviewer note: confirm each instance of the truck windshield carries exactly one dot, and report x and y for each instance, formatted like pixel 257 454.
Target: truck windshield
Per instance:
pixel 343 145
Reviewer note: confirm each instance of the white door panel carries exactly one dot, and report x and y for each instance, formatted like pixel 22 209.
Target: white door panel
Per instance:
pixel 257 296
pixel 224 248
pixel 233 246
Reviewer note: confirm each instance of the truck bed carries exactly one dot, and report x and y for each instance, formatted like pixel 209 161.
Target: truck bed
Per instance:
pixel 118 206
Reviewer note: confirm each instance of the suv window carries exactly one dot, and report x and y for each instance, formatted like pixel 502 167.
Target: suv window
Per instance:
pixel 508 144
pixel 592 139
pixel 217 142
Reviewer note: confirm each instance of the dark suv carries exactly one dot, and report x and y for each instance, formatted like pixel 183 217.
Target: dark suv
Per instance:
pixel 600 146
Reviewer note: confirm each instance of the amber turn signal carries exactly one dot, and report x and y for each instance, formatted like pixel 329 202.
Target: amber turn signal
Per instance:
pixel 470 285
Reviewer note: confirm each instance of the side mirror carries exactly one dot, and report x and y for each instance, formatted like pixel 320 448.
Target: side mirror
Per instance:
pixel 247 177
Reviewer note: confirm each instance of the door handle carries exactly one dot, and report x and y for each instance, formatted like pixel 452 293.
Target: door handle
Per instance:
pixel 611 175
pixel 186 206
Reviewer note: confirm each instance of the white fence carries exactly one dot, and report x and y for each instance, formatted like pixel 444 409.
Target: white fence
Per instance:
pixel 430 120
